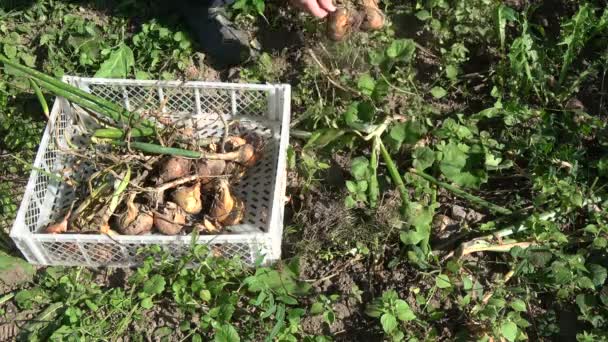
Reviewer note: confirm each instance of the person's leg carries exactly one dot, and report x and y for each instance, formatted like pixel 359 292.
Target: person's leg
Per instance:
pixel 218 37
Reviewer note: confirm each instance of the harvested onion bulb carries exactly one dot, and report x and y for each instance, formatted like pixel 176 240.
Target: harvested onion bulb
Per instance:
pixel 189 198
pixel 171 220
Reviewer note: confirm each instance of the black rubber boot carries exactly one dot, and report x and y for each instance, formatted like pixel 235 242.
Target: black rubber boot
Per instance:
pixel 217 36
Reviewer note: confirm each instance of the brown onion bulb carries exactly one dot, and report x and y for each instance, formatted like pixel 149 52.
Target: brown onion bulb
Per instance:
pixel 373 17
pixel 208 169
pixel 174 168
pixel 237 214
pixel 171 220
pixel 189 198
pixel 223 202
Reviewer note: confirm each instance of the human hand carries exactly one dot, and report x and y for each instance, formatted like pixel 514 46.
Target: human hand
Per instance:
pixel 318 8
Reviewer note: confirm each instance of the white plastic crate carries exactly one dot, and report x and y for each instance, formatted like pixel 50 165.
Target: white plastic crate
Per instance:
pixel 264 109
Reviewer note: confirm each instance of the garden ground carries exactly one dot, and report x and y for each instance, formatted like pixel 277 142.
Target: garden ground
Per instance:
pixel 447 176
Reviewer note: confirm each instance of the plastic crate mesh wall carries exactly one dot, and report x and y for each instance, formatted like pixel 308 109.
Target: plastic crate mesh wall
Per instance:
pixel 48 198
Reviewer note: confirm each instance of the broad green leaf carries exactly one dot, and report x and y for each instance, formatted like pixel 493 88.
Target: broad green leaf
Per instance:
pixel 424 158
pixel 351 186
pixel 452 129
pixel 403 311
pixel 147 303
pixel 407 133
pixel 154 285
pixel 451 72
pixel 381 90
pixel 462 165
pixel 561 273
pixel 350 202
pixel 376 58
pixel 443 281
pixel 398 336
pixel 412 237
pixel 359 115
pixel 366 111
pixel 438 92
pixel 162 332
pixel 390 295
pixel 289 300
pixel 284 282
pixel 423 15
pixel 316 308
pixel 351 116
pixel 226 333
pixel 142 75
pixel 539 258
pixel 323 137
pixel 260 6
pixel 373 310
pixel 360 168
pixel 600 242
pixel 603 21
pixel 329 316
pixel 118 64
pixel 492 161
pixel 179 36
pixel 402 50
pixel 205 295
pixel 518 305
pixel 604 295
pixel 10 51
pixel 467 283
pixel 25 299
pixel 362 186
pixel 398 134
pixel 599 274
pixel 14 270
pixel 389 322
pixel 420 218
pixel 509 331
pixel 28 59
pixel 585 302
pixel 585 283
pixel 366 84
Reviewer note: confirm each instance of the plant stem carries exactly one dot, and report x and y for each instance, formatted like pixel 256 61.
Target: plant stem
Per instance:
pixel 299 134
pixel 39 76
pixel 395 176
pixel 374 191
pixel 41 99
pixel 53 84
pixel 117 133
pixel 74 98
pixel 6 298
pixel 47 316
pixel 55 176
pixel 461 193
pixel 180 152
pixel 158 149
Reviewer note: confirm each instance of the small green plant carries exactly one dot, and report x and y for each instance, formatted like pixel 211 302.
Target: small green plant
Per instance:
pixel 249 7
pixel 358 188
pixel 160 50
pixel 324 306
pixel 213 296
pixel 393 313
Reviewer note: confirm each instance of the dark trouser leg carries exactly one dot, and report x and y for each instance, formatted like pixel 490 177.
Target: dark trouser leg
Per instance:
pixel 216 3
pixel 218 38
